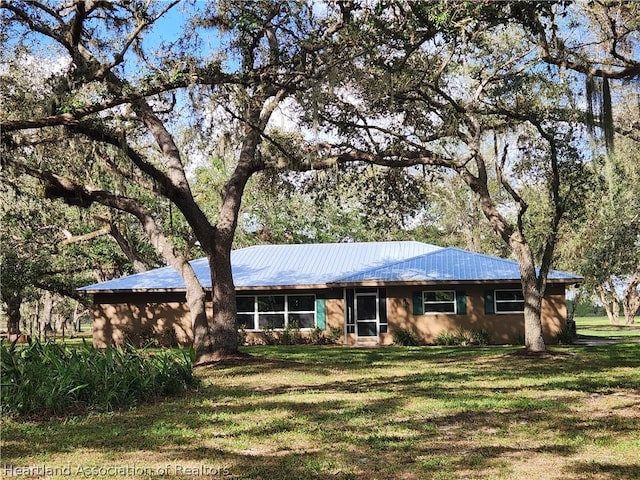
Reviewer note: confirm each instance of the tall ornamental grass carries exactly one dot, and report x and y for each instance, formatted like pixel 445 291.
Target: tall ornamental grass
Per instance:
pixel 49 379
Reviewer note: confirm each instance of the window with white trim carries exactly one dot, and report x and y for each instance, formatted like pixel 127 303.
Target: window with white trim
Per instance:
pixel 509 301
pixel 439 301
pixel 259 312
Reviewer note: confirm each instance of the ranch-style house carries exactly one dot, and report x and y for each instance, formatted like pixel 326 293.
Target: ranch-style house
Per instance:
pixel 365 291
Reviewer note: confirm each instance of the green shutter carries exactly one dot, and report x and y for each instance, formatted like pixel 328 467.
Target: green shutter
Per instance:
pixel 321 314
pixel 461 302
pixel 418 304
pixel 489 307
pixel 382 305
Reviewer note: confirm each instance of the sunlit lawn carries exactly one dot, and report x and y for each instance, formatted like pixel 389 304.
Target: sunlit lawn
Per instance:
pixel 388 413
pixel 601 327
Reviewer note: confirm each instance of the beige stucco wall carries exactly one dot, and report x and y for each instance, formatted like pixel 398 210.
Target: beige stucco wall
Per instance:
pixel 118 317
pixel 131 317
pixel 502 328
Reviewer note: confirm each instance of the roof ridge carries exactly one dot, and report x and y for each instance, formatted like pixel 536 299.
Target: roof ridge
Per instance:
pixel 507 260
pixel 480 254
pixel 334 243
pixel 398 262
pixel 443 251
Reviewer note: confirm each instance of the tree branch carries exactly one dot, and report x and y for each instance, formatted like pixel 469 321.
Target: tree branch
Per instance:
pixel 138 265
pixel 57 186
pixel 558 208
pixel 70 238
pixel 322 157
pixel 626 72
pixel 178 80
pixel 119 57
pixel 173 186
pixel 102 135
pixel 37 26
pixel 522 204
pixel 75 30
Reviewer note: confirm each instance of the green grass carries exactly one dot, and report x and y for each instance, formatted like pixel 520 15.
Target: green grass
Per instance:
pixel 301 412
pixel 600 327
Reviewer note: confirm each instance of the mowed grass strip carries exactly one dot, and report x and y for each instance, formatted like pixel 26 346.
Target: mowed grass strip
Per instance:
pixel 601 327
pixel 386 413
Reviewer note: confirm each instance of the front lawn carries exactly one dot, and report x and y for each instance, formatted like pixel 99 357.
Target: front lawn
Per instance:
pixel 601 327
pixel 308 412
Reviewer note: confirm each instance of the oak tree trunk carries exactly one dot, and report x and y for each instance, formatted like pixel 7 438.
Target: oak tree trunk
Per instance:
pixel 196 300
pixel 631 300
pixel 532 289
pixel 47 313
pixel 14 301
pixel 199 321
pixel 533 338
pixel 224 332
pixel 610 302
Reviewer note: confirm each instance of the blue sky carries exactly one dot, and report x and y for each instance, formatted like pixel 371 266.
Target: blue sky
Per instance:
pixel 167 28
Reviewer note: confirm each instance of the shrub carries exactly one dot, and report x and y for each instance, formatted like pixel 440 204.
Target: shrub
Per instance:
pixel 242 335
pixel 405 337
pixel 480 337
pixel 291 335
pixel 567 335
pixel 334 335
pixel 270 336
pixel 317 337
pixel 325 337
pixel 47 379
pixel 464 337
pixel 447 338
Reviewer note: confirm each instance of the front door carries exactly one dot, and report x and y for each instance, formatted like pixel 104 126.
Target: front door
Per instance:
pixel 366 314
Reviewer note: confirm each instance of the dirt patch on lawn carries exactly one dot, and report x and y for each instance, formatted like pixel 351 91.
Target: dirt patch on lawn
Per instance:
pixel 238 358
pixel 624 404
pixel 550 354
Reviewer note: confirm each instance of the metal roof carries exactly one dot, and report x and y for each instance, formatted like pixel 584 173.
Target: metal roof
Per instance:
pixel 450 264
pixel 265 266
pixel 280 266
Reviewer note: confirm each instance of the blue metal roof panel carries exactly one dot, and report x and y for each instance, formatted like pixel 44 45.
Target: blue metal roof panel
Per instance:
pixel 321 264
pixel 316 264
pixel 164 278
pixel 279 265
pixel 449 264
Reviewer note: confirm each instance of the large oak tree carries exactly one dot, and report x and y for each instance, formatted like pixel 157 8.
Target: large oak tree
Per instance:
pixel 490 92
pixel 111 85
pixel 483 90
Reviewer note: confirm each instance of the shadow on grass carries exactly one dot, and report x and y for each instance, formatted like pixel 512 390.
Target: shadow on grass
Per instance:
pixel 389 410
pixel 604 471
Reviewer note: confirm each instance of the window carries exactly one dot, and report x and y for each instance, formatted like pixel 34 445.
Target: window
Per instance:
pixel 441 301
pixel 246 308
pixel 382 310
pixel 302 311
pixel 271 311
pixel 451 302
pixel 509 301
pixel 259 312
